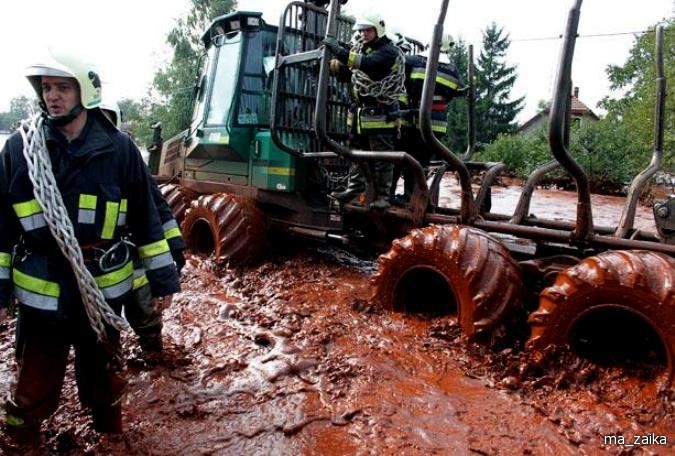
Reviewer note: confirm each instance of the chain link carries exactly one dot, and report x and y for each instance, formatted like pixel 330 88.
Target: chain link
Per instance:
pixel 387 90
pixel 49 197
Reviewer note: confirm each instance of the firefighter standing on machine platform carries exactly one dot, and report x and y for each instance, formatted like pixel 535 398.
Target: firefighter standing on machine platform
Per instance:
pixel 143 312
pixel 447 87
pixel 69 184
pixel 377 72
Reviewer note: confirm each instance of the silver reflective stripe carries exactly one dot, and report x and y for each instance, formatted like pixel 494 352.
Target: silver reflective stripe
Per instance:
pixel 122 219
pixel 4 273
pixel 86 216
pixel 33 222
pixel 36 300
pixel 157 262
pixel 170 225
pixel 119 289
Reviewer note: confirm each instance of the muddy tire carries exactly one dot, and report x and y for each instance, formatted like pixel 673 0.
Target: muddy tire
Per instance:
pixel 231 227
pixel 178 198
pixel 454 269
pixel 640 282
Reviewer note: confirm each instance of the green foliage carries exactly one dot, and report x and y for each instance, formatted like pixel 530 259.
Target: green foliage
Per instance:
pixel 522 153
pixel 637 76
pixel 136 119
pixel 456 138
pixel 174 85
pixel 495 114
pixel 19 108
pixel 606 149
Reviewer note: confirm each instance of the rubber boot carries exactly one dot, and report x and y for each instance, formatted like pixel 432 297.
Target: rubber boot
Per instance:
pixel 356 184
pixel 383 177
pixel 151 342
pixel 108 420
pixel 21 433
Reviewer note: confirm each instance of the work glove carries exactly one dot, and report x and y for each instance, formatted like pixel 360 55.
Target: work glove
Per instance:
pixel 331 43
pixel 335 65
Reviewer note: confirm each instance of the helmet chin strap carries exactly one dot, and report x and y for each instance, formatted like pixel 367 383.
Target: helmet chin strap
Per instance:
pixel 60 121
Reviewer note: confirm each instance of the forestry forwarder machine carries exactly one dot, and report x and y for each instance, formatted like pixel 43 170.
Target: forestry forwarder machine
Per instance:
pixel 269 142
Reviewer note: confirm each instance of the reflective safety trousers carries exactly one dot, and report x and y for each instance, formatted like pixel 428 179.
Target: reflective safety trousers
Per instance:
pixel 107 193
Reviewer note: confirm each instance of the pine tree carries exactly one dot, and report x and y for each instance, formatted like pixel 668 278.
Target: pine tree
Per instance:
pixel 495 113
pixel 456 138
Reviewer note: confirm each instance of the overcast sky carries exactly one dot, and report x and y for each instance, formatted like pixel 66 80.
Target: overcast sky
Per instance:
pixel 127 38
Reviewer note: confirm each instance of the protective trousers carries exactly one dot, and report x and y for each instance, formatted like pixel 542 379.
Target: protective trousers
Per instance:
pixel 383 170
pixel 42 347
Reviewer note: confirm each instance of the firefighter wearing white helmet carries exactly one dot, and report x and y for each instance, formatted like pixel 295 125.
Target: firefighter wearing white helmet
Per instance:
pixel 375 120
pixel 446 88
pixel 111 109
pixel 70 67
pixel 143 313
pixel 94 187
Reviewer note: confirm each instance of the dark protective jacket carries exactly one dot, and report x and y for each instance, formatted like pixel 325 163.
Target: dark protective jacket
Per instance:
pixel 447 87
pixel 377 60
pixel 105 187
pixel 172 235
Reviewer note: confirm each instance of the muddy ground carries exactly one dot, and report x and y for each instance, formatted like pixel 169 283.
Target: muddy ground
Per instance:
pixel 290 357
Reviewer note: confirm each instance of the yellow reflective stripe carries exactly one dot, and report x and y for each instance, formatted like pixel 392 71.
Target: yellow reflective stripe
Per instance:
pixel 140 282
pixel 276 170
pixel 417 75
pixel 115 277
pixel 110 221
pixel 123 205
pixel 376 124
pixel 156 248
pixel 40 286
pixel 439 128
pixel 5 260
pixel 87 201
pixel 27 208
pixel 446 82
pixel 172 233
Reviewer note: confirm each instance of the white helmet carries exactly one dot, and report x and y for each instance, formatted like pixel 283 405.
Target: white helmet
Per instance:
pixel 372 20
pixel 111 109
pixel 68 66
pixel 447 43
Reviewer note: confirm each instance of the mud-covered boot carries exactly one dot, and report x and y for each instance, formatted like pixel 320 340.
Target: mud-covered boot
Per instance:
pixel 21 432
pixel 151 342
pixel 108 420
pixel 383 178
pixel 356 184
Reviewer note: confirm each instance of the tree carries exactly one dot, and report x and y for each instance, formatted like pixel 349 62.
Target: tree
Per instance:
pixel 495 114
pixel 19 108
pixel 174 85
pixel 456 138
pixel 637 77
pixel 135 117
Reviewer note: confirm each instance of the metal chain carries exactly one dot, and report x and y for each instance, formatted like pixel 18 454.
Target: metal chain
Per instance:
pixel 334 177
pixel 387 90
pixel 49 197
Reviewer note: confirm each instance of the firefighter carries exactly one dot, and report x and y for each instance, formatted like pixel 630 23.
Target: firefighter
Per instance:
pixel 447 87
pixel 142 311
pixel 374 63
pixel 97 184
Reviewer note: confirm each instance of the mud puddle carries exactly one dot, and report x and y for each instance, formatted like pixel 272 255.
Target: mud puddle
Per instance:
pixel 291 357
pixel 552 204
